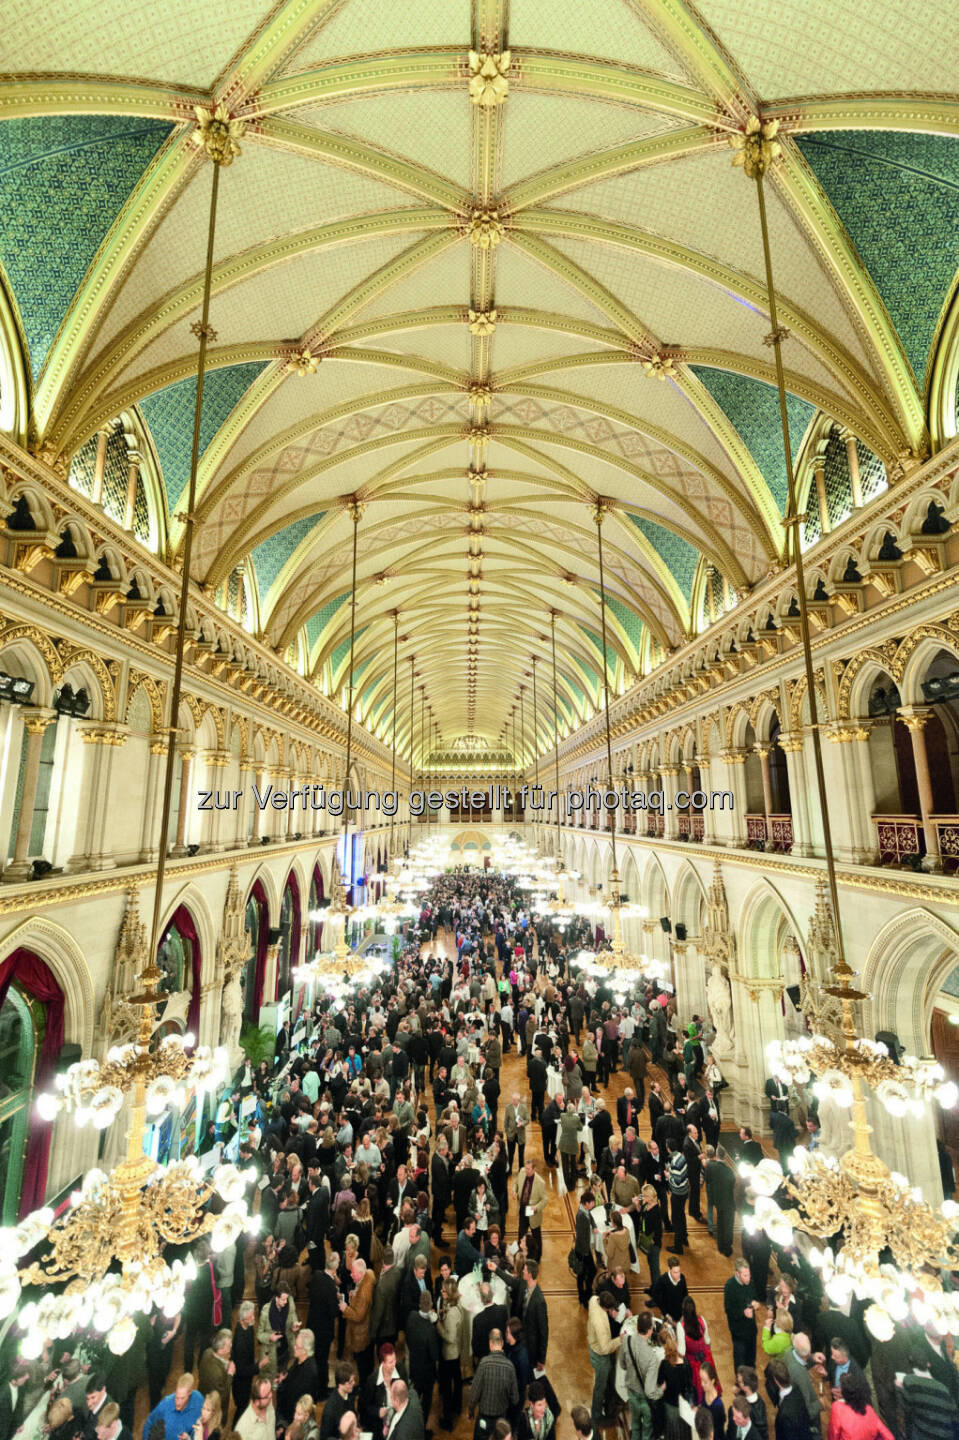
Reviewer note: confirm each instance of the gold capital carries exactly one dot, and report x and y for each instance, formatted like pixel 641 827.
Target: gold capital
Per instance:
pixel 217 134
pixel 488 83
pixel 756 146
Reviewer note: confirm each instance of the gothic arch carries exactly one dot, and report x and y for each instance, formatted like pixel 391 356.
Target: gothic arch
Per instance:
pixel 57 948
pixel 907 963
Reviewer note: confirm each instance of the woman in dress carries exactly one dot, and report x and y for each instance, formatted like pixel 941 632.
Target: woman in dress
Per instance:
pixel 712 1393
pixel 481 1207
pixel 692 1341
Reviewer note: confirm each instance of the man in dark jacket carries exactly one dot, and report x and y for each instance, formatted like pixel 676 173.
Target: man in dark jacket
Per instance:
pixel 738 1302
pixel 535 1317
pixel 792 1417
pixel 322 1317
pixel 584 1247
pixel 536 1074
pixel 423 1348
pixel 720 1206
pixel 491 1317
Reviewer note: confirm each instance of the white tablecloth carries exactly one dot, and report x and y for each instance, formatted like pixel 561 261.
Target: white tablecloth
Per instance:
pixel 470 1296
pixel 602 1228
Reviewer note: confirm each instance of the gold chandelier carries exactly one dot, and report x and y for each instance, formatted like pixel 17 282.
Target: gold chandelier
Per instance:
pixel 128 1216
pixel 891 1244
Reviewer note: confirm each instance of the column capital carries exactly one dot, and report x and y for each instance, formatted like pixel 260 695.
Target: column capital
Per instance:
pixel 791 741
pixel 36 718
pixel 762 749
pixel 914 717
pixel 97 733
pixel 733 757
pixel 218 759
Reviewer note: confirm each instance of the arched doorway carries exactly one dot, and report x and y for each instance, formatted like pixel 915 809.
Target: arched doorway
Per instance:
pixel 31 1038
pixel 178 956
pixel 314 934
pixel 257 920
pixel 289 952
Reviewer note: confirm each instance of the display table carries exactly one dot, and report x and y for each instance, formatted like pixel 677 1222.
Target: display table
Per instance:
pixel 470 1296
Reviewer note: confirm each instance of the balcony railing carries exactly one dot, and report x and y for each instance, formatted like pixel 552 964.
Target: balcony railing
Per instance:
pixel 901 841
pixel 697 828
pixel 757 833
pixel 655 825
pixel 781 832
pixel 947 827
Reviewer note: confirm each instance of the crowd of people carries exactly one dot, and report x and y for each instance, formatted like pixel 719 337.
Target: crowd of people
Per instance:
pixel 396 1280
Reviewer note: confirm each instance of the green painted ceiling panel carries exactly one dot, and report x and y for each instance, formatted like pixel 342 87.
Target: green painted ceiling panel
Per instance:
pixel 317 623
pixel 270 557
pixel 753 407
pixel 630 621
pixel 169 414
pixel 679 557
pixel 63 181
pixel 898 196
pixel 343 649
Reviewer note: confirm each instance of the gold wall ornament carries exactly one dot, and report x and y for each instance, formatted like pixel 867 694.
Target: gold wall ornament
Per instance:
pixel 488 84
pixel 481 393
pixel 756 146
pixel 204 332
pixel 482 322
pixel 661 366
pixel 303 362
pixel 485 228
pixel 217 134
pixel 479 435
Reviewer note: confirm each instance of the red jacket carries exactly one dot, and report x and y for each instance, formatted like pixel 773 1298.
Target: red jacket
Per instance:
pixel 845 1423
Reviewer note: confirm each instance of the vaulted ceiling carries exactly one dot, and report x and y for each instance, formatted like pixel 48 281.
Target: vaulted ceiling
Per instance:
pixel 481 283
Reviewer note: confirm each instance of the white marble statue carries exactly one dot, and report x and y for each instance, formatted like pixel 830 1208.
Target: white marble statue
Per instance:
pixel 835 1131
pixel 719 999
pixel 231 1018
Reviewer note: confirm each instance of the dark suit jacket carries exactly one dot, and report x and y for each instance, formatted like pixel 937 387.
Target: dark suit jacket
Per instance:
pixel 792 1418
pixel 301 1380
pixel 536 1071
pixel 424 1350
pixel 323 1311
pixel 410 1425
pixel 536 1327
pixel 410 1295
pixel 491 1317
pixel 602 1130
pixel 621 1114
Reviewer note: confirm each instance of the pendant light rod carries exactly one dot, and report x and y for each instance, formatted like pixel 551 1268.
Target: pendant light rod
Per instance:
pixel 356 514
pixel 552 630
pixel 204 333
pixel 396 663
pixel 535 731
pixel 792 523
pixel 599 515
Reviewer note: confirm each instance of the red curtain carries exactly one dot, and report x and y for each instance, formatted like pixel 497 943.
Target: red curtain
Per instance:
pixel 182 922
pixel 262 942
pixel 315 932
pixel 33 976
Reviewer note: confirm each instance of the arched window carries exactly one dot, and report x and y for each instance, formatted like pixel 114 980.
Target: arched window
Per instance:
pixel 314 935
pixel 41 793
pixel 31 1038
pixel 257 925
pixel 289 951
pixel 178 956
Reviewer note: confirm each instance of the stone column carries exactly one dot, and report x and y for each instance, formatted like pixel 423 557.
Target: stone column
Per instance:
pixel 269 974
pixel 152 800
pixel 819 475
pixel 735 761
pixel 99 466
pixel 914 718
pixel 217 762
pixel 296 818
pixel 670 788
pixel 258 777
pixel 35 722
pixel 791 743
pixel 183 811
pixel 852 459
pixel 868 839
pixel 133 476
pixel 93 845
pixel 763 752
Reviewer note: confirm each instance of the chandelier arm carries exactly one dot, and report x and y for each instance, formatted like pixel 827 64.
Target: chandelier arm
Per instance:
pixel 552 628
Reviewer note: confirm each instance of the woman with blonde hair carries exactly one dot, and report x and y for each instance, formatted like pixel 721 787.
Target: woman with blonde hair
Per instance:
pixel 303 1426
pixel 453 1330
pixel 211 1418
pixel 60 1423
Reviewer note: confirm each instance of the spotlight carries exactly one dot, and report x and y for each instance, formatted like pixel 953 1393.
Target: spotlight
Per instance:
pixel 12 687
pixel 39 869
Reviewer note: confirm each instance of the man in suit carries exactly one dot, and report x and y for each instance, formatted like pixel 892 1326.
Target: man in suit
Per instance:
pixel 536 1074
pixel 468 1253
pixel 515 1121
pixel 109 1424
pixel 535 1317
pixel 602 1125
pixel 738 1302
pixel 322 1314
pixel 399 1189
pixel 549 1123
pixel 531 1194
pixel 840 1363
pixel 316 1220
pixel 750 1150
pixel 491 1317
pixel 406 1421
pixel 465 1179
pixel 385 1314
pixel 584 1247
pixel 216 1369
pixel 423 1347
pixel 720 1203
pixel 417 1282
pixel 777 1093
pixel 792 1417
pixel 627 1111
pixel 440 1184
